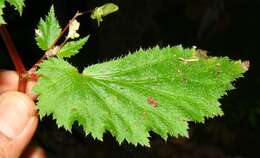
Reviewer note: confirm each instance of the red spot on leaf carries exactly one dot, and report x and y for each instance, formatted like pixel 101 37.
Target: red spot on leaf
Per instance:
pixel 152 101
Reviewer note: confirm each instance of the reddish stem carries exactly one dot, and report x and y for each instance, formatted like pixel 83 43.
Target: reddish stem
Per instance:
pixel 34 67
pixel 20 69
pixel 22 84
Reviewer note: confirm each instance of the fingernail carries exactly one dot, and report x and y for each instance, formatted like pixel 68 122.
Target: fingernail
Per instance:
pixel 14 115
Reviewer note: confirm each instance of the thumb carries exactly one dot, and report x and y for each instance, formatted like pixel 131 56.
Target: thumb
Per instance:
pixel 18 122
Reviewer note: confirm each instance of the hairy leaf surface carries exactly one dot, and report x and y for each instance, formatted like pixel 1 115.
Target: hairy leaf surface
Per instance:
pixel 48 31
pixel 71 48
pixel 156 90
pixel 18 5
pixel 2 5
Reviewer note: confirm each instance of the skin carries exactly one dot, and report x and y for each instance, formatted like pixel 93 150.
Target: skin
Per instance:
pixel 14 142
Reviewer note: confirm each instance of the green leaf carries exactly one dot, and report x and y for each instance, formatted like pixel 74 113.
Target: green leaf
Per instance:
pixel 2 5
pixel 71 48
pixel 48 31
pixel 102 11
pixel 156 90
pixel 18 4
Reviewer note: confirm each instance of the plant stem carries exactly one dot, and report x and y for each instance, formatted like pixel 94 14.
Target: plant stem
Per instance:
pixel 19 66
pixel 34 67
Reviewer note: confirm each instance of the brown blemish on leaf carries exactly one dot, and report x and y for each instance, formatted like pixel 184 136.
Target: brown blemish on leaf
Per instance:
pixel 246 64
pixel 196 56
pixel 202 54
pixel 152 101
pixel 53 51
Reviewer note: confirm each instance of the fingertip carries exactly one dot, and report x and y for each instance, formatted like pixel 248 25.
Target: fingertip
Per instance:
pixel 34 152
pixel 22 98
pixel 16 109
pixel 14 148
pixel 8 81
pixel 18 122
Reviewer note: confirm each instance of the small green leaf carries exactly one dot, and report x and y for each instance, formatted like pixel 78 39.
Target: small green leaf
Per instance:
pixel 18 4
pixel 48 31
pixel 150 90
pixel 102 11
pixel 2 5
pixel 71 48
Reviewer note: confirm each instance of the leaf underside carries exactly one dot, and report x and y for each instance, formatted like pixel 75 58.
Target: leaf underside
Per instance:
pixel 18 5
pixel 114 96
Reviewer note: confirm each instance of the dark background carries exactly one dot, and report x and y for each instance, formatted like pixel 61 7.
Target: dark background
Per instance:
pixel 223 27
